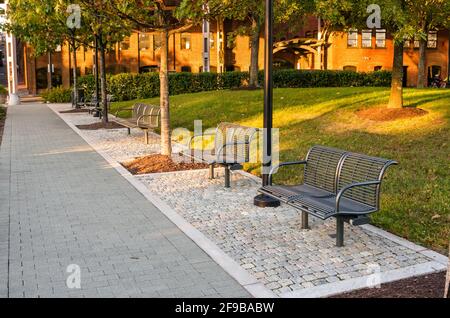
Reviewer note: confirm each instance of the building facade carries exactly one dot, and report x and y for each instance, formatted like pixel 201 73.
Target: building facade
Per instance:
pixel 206 48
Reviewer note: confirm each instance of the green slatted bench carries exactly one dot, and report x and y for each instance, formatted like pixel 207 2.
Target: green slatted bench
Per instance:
pixel 143 116
pixel 337 183
pixel 233 144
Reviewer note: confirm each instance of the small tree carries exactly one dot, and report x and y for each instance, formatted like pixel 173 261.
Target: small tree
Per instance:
pixel 429 14
pixel 251 15
pixel 155 16
pixel 37 23
pixel 108 29
pixel 45 24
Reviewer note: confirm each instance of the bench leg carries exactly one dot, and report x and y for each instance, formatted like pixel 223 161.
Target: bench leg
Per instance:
pixel 305 221
pixel 129 131
pixel 211 172
pixel 146 137
pixel 227 177
pixel 339 231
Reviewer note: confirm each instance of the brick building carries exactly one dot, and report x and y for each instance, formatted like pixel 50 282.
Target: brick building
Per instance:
pixel 204 48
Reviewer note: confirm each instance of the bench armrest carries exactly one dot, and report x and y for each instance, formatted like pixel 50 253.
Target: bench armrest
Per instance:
pixel 284 164
pixel 351 186
pixel 191 140
pixel 144 116
pixel 238 143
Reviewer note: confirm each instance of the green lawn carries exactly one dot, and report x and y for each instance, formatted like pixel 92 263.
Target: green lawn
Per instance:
pixel 416 194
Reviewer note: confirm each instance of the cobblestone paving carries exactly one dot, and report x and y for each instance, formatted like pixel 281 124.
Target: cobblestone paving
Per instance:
pixel 61 203
pixel 269 242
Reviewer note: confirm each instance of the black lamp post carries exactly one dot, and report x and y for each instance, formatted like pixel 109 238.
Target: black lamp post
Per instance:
pixel 96 75
pixel 263 200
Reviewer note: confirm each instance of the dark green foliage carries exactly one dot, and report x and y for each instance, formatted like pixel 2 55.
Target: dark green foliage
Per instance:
pixel 57 95
pixel 129 86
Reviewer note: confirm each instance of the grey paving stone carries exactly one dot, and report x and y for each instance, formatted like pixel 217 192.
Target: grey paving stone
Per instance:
pixel 66 206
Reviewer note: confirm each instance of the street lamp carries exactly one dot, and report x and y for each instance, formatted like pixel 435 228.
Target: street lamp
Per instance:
pixel 261 200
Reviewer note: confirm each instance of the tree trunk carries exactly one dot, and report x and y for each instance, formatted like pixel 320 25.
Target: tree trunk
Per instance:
pixel 326 37
pixel 49 71
pixel 447 281
pixel 166 145
pixel 103 84
pixel 421 67
pixel 396 98
pixel 254 55
pixel 75 79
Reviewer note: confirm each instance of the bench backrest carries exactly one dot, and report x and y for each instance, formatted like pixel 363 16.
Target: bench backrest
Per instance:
pixel 332 169
pixel 229 133
pixel 356 168
pixel 321 167
pixel 151 114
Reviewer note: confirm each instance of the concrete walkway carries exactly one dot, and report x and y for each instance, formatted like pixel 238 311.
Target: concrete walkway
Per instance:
pixel 61 204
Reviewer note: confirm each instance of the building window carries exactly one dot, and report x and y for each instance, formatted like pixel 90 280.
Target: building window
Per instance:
pixel 432 40
pixel 144 42
pixel 416 42
pixel 125 44
pixel 212 40
pixel 377 68
pixel 350 68
pixel 366 38
pixel 407 44
pixel 352 38
pixel 186 69
pixel 380 38
pixel 156 42
pixel 185 41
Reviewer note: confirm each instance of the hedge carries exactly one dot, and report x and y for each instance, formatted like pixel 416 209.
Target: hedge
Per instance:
pixel 57 95
pixel 128 86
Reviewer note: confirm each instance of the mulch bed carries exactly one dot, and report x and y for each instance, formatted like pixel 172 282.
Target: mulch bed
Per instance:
pixel 427 286
pixel 75 111
pixel 246 88
pixel 2 121
pixel 160 163
pixel 100 125
pixel 389 114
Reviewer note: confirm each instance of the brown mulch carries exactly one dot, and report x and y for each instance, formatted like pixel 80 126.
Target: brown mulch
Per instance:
pixel 75 111
pixel 160 163
pixel 389 114
pixel 100 125
pixel 427 286
pixel 246 88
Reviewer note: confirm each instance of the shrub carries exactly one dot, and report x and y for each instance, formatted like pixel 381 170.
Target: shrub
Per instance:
pixel 3 90
pixel 57 95
pixel 129 86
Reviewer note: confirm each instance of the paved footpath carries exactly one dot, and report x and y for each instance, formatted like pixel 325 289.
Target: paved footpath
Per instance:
pixel 61 204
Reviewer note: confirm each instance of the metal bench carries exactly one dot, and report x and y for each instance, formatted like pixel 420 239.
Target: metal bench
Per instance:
pixel 337 183
pixel 143 116
pixel 96 106
pixel 80 101
pixel 232 147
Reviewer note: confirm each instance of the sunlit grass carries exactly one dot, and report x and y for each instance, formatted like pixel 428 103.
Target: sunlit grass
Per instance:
pixel 415 200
